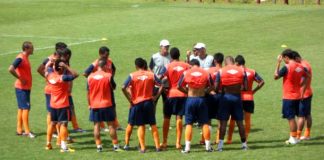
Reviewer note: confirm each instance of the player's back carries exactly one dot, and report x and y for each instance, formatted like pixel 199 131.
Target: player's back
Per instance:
pixel 231 75
pixel 174 72
pixel 309 90
pixel 100 89
pixel 24 71
pixel 142 84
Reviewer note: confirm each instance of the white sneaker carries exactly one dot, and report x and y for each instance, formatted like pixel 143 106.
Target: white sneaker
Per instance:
pixel 54 135
pixel 105 130
pixel 304 138
pixel 30 135
pixel 245 147
pixel 292 141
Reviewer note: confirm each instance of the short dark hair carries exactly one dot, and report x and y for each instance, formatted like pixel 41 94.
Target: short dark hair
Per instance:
pixel 103 50
pixel 102 62
pixel 288 53
pixel 26 45
pixel 174 53
pixel 60 51
pixel 60 45
pixel 239 59
pixel 57 64
pixel 140 63
pixel 219 57
pixel 67 51
pixel 194 62
pixel 295 54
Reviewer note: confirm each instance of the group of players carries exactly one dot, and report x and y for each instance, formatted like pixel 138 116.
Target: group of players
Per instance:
pixel 200 89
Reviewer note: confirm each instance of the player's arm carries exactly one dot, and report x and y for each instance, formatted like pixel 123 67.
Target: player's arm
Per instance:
pixel 188 56
pixel 245 82
pixel 210 86
pixel 162 73
pixel 89 70
pixel 158 83
pixel 113 67
pixel 12 70
pixel 304 82
pixel 217 82
pixel 152 64
pixel 181 85
pixel 113 83
pixel 125 90
pixel 260 82
pixel 41 67
pixel 276 74
pixel 74 74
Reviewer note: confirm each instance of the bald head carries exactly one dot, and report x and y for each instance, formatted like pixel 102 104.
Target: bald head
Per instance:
pixel 229 60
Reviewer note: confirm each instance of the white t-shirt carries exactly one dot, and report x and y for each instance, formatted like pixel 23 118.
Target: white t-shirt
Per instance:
pixel 204 63
pixel 158 62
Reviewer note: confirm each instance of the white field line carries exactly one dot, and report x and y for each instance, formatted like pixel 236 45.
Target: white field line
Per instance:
pixel 43 37
pixel 51 47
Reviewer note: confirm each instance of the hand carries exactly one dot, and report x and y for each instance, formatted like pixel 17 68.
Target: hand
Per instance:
pixel 188 53
pixel 279 58
pixel 23 82
pixel 62 64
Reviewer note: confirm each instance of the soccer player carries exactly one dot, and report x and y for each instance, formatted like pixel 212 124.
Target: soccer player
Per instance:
pixel 60 112
pixel 195 82
pixel 157 63
pixel 100 84
pixel 174 105
pixel 294 78
pixel 21 70
pixel 233 80
pixel 305 105
pixel 247 97
pixel 104 52
pixel 138 89
pixel 205 60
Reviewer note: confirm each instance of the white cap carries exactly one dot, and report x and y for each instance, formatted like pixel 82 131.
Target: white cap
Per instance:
pixel 164 43
pixel 200 45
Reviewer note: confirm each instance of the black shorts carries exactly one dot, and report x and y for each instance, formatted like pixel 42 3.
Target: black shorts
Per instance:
pixel 174 106
pixel 102 114
pixel 60 115
pixel 142 113
pixel 248 106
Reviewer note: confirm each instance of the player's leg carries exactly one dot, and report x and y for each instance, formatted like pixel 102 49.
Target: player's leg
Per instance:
pixel 230 130
pixel 63 119
pixel 188 137
pixel 178 131
pixel 113 135
pixel 19 122
pixel 141 137
pixel 49 134
pixel 307 103
pixel 247 120
pixel 128 133
pixel 96 135
pixel 167 112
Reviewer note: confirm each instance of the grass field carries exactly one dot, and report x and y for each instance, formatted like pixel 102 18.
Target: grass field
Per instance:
pixel 134 29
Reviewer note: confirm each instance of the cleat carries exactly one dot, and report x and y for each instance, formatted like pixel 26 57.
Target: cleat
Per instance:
pixel 210 150
pixel 158 150
pixel 202 142
pixel 48 147
pixel 67 150
pixel 292 141
pixel 220 149
pixel 163 146
pixel 80 130
pixel 185 151
pixel 120 129
pixel 245 147
pixel 178 146
pixel 142 151
pixel 99 149
pixel 30 135
pixel 117 149
pixel 20 134
pixel 126 147
pixel 105 130
pixel 69 140
pixel 54 135
pixel 302 138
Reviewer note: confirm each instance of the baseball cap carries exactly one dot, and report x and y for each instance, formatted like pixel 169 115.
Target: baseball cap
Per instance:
pixel 164 43
pixel 199 46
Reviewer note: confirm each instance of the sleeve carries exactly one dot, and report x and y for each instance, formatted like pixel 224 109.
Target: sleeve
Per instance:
pixel 157 80
pixel 152 64
pixel 17 62
pixel 257 77
pixel 163 71
pixel 283 71
pixel 67 78
pixel 245 79
pixel 218 78
pixel 128 81
pixel 113 83
pixel 113 67
pixel 182 81
pixel 89 69
pixel 45 61
pixel 210 80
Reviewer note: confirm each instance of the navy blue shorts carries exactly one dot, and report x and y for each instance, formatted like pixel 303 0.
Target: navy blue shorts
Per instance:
pixel 142 113
pixel 174 106
pixel 213 105
pixel 196 110
pixel 71 105
pixel 23 98
pixel 60 115
pixel 305 107
pixel 48 102
pixel 230 105
pixel 102 115
pixel 248 106
pixel 290 108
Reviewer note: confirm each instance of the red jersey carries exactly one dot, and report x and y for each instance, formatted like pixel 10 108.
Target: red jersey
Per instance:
pixel 141 85
pixel 231 75
pixel 47 88
pixel 109 65
pixel 174 71
pixel 59 91
pixel 308 91
pixel 196 77
pixel 251 76
pixel 99 90
pixel 291 80
pixel 213 72
pixel 24 71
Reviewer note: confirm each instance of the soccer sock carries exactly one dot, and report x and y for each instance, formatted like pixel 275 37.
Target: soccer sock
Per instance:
pixel 98 141
pixel 166 125
pixel 25 115
pixel 299 132
pixel 188 132
pixel 74 121
pixel 49 133
pixel 179 132
pixel 155 134
pixel 307 132
pixel 63 136
pixel 220 144
pixel 141 137
pixel 128 133
pixel 19 121
pixel 58 140
pixel 231 127
pixel 206 132
pixel 102 125
pixel 217 135
pixel 293 134
pixel 187 147
pixel 247 117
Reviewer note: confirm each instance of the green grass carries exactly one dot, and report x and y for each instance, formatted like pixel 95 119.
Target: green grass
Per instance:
pixel 133 29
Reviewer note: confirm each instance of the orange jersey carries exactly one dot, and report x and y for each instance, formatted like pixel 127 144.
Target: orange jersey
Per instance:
pixel 47 88
pixel 141 84
pixel 308 91
pixel 251 76
pixel 195 77
pixel 23 70
pixel 59 90
pixel 292 74
pixel 213 72
pixel 99 90
pixel 174 71
pixel 109 65
pixel 231 75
